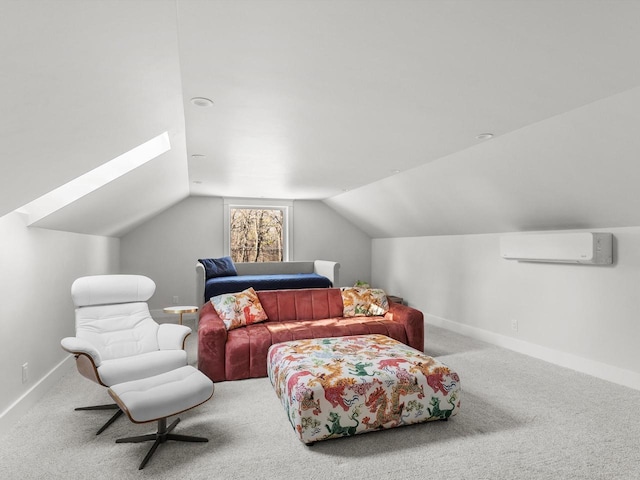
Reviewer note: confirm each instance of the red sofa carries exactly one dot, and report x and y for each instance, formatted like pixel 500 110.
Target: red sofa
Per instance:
pixel 293 315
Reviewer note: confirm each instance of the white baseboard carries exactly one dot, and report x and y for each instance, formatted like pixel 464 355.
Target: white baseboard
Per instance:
pixel 18 408
pixel 601 370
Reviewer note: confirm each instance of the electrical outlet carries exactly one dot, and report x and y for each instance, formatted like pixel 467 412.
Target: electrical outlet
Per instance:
pixel 514 324
pixel 25 372
pixel 175 299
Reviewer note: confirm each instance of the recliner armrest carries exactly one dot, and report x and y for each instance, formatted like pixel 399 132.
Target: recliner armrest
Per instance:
pixel 78 346
pixel 172 336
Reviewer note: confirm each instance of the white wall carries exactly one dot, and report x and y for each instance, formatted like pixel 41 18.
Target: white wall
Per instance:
pixel 580 316
pixel 36 311
pixel 167 247
pixel 319 233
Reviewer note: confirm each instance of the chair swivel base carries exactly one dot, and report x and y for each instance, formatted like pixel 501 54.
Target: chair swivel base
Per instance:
pixel 162 435
pixel 160 397
pixel 111 406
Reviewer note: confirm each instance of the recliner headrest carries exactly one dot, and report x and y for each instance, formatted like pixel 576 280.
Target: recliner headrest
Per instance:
pixel 111 289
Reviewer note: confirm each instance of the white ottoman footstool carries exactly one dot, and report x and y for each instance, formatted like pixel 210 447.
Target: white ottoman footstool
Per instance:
pixel 156 398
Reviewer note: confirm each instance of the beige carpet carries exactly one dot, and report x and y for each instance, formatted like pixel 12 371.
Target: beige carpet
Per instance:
pixel 520 418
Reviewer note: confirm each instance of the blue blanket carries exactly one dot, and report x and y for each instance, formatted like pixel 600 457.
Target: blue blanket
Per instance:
pixel 233 284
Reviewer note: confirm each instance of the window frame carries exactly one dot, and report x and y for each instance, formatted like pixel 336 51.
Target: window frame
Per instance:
pixel 286 206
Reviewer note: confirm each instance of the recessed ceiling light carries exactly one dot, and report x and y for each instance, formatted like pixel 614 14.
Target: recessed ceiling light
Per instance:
pixel 201 102
pixel 484 136
pixel 395 171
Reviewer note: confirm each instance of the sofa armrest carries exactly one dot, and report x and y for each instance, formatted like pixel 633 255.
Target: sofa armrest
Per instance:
pixel 413 321
pixel 200 281
pixel 212 341
pixel 78 346
pixel 327 269
pixel 172 336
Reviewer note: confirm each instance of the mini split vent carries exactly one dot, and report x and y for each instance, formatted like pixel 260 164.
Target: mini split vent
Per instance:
pixel 582 247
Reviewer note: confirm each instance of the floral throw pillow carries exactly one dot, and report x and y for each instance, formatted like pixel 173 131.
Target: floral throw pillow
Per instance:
pixel 367 302
pixel 239 309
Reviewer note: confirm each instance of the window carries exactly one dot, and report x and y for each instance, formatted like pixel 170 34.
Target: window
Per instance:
pixel 257 233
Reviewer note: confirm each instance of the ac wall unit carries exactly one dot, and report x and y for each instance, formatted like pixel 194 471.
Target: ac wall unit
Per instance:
pixel 581 247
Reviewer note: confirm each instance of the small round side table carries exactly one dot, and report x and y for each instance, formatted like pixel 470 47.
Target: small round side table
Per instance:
pixel 181 310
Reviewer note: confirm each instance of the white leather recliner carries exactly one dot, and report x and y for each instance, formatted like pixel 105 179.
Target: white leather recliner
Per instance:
pixel 116 339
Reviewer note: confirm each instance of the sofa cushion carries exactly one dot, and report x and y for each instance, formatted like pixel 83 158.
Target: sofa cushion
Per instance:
pixel 231 284
pixel 366 302
pixel 239 309
pixel 218 267
pixel 307 304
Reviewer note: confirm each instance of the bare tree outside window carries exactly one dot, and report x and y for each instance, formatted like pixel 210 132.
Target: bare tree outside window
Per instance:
pixel 257 234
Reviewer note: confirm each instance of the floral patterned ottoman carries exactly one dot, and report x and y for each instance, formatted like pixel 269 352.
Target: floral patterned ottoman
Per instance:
pixel 342 386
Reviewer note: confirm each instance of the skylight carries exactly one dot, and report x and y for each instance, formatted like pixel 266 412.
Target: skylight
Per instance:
pixel 94 179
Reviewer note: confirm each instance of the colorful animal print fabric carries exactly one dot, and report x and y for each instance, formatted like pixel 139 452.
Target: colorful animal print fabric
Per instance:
pixel 333 387
pixel 239 309
pixel 364 302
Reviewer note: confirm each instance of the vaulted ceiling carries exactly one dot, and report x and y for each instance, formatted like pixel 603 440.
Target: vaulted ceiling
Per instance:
pixel 373 107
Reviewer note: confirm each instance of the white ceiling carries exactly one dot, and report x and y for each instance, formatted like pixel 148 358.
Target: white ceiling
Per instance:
pixel 83 82
pixel 328 100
